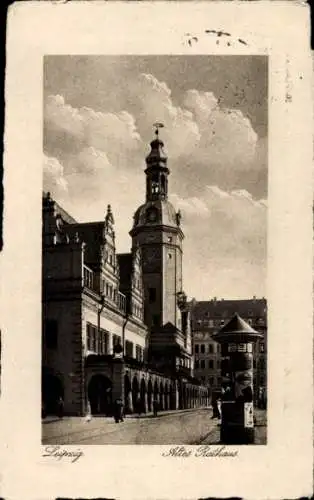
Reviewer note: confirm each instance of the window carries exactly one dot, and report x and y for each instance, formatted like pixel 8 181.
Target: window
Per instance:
pixel 218 364
pixel 202 363
pixel 51 334
pixel 211 380
pixel 203 348
pixel 196 348
pixel 129 348
pixel 241 347
pixel 103 342
pixel 211 323
pixel 169 256
pixel 210 364
pixel 116 340
pixel 210 348
pixel 138 353
pixel 91 337
pixel 197 364
pixel 169 239
pixel 262 347
pixel 152 294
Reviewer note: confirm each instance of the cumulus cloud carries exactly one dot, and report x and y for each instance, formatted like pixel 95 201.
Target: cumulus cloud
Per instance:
pixel 227 239
pixel 189 206
pixel 70 129
pixel 53 176
pixel 151 102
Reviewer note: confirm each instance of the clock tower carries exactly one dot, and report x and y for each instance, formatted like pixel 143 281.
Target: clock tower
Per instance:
pixel 157 231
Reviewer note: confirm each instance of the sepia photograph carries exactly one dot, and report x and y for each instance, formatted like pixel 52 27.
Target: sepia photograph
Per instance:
pixel 158 251
pixel 154 250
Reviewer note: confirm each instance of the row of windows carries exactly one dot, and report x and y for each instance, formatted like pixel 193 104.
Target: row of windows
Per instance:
pixel 208 363
pixel 212 381
pixel 102 346
pixel 88 278
pixel 97 341
pixel 185 362
pixel 137 311
pixel 216 381
pixel 108 289
pixel 213 347
pixel 217 323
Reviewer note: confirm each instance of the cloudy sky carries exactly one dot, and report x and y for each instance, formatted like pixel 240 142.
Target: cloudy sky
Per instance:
pixel 98 117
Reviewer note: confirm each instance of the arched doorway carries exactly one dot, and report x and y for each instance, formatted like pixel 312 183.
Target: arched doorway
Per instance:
pixel 52 389
pixel 100 395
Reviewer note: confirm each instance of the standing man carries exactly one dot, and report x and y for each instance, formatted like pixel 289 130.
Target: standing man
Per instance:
pixel 60 407
pixel 155 407
pixel 118 411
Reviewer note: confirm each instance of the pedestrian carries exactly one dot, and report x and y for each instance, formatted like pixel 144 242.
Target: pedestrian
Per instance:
pixel 60 407
pixel 139 407
pixel 118 411
pixel 155 407
pixel 216 413
pixel 88 416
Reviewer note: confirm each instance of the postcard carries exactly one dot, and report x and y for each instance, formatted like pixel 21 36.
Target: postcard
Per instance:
pixel 157 265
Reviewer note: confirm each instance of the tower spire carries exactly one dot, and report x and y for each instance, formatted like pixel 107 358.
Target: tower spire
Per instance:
pixel 157 171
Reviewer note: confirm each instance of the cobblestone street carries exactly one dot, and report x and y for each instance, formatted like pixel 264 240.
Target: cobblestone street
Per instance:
pixel 189 427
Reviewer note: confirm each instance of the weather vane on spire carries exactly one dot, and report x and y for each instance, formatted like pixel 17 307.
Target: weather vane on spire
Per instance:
pixel 157 126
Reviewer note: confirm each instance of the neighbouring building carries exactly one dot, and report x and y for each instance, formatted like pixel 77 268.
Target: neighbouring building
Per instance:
pixel 117 325
pixel 207 317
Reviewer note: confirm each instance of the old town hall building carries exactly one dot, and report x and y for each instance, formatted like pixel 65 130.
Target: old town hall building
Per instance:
pixel 117 325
